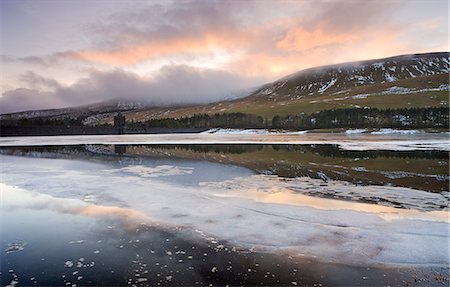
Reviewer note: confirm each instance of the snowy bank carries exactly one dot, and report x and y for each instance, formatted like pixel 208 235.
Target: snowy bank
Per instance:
pixel 394 131
pixel 355 131
pixel 251 132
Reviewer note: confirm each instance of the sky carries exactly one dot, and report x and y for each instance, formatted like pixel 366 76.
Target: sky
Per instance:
pixel 69 53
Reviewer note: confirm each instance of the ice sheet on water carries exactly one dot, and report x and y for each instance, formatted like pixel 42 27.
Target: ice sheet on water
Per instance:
pixel 261 211
pixel 399 197
pixel 274 227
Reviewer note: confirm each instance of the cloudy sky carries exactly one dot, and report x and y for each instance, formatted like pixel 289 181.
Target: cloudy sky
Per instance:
pixel 65 53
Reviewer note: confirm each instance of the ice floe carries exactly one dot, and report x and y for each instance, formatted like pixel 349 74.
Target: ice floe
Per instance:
pixel 162 170
pixel 77 241
pixel 15 246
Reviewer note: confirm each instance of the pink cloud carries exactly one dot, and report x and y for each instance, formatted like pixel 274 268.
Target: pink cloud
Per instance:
pixel 300 39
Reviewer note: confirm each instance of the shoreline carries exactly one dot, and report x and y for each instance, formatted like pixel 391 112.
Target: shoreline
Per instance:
pixel 421 141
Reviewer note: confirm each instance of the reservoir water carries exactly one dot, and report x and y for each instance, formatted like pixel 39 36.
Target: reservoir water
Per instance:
pixel 300 213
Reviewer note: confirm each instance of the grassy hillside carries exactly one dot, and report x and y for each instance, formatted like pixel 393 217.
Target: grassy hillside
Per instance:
pixel 425 91
pixel 420 80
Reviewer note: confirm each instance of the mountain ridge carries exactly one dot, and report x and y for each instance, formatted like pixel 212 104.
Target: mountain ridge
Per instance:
pixel 382 70
pixel 414 76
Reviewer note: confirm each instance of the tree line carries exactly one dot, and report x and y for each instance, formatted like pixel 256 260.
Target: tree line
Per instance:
pixel 225 120
pixel 367 118
pixel 336 118
pixel 325 119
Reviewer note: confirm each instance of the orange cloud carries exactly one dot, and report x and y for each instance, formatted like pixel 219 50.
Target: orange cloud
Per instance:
pixel 301 49
pixel 299 39
pixel 265 50
pixel 274 66
pixel 257 54
pixel 156 49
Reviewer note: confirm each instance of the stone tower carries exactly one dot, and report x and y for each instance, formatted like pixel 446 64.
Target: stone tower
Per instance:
pixel 119 123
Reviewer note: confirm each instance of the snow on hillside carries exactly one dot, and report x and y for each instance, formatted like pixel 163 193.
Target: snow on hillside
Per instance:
pixel 328 80
pixel 403 91
pixel 339 77
pixel 95 110
pixel 327 86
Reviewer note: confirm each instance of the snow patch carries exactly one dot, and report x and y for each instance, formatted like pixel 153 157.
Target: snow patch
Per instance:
pixel 395 131
pixel 378 65
pixel 355 131
pixel 389 77
pixel 360 96
pixel 327 86
pixel 236 131
pixel 402 91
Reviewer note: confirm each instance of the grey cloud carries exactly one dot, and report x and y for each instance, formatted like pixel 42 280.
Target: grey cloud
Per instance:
pixel 174 85
pixel 41 61
pixel 35 81
pixel 156 23
pixel 23 99
pixel 6 59
pixel 184 84
pixel 345 16
pixel 31 60
pixel 193 19
pixel 230 20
